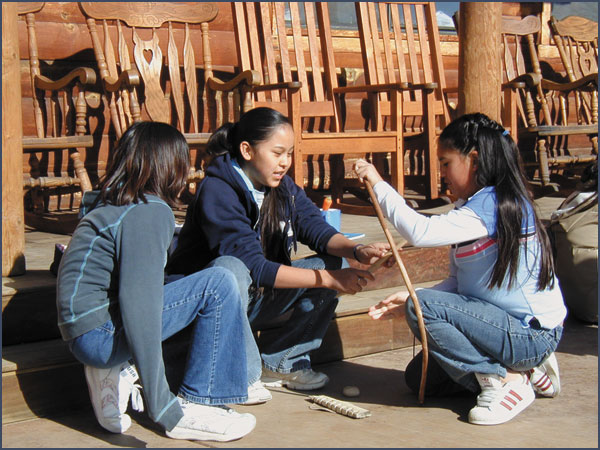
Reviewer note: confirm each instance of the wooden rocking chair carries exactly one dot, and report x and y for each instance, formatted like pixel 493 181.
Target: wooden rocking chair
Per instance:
pixel 399 51
pixel 550 111
pixel 55 184
pixel 296 74
pixel 577 41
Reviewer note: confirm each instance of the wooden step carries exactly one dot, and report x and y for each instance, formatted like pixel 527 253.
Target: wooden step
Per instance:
pixel 43 379
pixel 29 301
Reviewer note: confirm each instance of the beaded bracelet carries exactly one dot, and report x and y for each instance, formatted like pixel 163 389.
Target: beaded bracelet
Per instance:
pixel 356 247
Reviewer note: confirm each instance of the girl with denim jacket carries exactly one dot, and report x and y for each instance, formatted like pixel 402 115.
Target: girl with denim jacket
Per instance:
pixel 493 325
pixel 248 215
pixel 114 311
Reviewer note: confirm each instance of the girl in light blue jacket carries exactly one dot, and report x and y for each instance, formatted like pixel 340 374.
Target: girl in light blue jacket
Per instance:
pixel 493 325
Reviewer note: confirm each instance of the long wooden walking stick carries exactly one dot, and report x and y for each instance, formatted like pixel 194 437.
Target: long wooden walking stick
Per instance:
pixel 410 288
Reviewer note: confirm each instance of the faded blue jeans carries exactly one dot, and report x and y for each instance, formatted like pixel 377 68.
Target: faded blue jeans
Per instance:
pixel 467 335
pixel 310 313
pixel 215 371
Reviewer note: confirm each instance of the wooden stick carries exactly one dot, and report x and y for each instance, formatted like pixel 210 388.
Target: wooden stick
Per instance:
pixel 410 288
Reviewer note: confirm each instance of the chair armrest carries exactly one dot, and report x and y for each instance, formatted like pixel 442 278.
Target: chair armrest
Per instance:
pixel 83 75
pixel 128 78
pixel 513 85
pixel 385 87
pixel 424 86
pixel 372 88
pixel 291 85
pixel 589 81
pixel 247 77
pixel 529 79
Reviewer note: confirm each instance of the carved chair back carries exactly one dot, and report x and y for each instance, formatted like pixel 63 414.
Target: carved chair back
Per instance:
pixel 411 27
pixel 287 42
pixel 148 56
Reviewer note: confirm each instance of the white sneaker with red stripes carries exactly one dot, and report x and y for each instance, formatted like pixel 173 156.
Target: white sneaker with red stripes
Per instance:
pixel 499 402
pixel 545 378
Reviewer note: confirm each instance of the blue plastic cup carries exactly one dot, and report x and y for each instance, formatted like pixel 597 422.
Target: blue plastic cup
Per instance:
pixel 333 217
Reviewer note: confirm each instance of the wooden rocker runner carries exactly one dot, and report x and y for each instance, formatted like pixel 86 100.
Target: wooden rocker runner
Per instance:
pixel 410 288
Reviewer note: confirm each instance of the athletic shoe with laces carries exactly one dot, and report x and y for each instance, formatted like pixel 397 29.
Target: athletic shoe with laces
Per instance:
pixel 257 394
pixel 499 402
pixel 110 391
pixel 545 378
pixel 211 423
pixel 301 380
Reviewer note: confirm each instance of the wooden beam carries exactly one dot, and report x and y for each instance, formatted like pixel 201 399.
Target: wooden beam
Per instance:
pixel 13 231
pixel 479 63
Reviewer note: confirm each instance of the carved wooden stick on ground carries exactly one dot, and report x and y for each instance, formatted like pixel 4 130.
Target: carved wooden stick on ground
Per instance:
pixel 410 288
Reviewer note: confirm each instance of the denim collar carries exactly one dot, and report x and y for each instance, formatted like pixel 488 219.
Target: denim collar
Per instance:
pixel 257 195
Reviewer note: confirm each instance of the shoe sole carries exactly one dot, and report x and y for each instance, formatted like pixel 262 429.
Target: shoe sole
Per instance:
pixel 504 420
pixel 191 435
pixel 274 382
pixel 271 382
pixel 258 401
pixel 120 428
pixel 551 368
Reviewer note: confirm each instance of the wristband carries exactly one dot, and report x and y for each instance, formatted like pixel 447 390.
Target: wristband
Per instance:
pixel 356 247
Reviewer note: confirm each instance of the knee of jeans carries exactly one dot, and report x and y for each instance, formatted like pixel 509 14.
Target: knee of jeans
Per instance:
pixel 411 314
pixel 236 266
pixel 323 300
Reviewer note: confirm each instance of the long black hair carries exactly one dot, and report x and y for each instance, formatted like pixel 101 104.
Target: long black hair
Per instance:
pixel 499 164
pixel 150 158
pixel 254 127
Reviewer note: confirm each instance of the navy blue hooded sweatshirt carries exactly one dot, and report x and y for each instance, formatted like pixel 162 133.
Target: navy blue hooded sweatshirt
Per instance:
pixel 223 220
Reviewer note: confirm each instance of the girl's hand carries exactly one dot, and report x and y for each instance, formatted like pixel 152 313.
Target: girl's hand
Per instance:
pixel 371 253
pixel 390 307
pixel 347 281
pixel 366 171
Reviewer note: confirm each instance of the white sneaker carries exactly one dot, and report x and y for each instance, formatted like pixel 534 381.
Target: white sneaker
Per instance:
pixel 500 402
pixel 301 380
pixel 545 378
pixel 257 394
pixel 110 390
pixel 211 423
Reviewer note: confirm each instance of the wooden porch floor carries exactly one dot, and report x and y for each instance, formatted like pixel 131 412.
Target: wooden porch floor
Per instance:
pixel 568 421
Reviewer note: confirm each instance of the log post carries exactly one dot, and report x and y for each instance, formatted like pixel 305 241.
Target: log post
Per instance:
pixel 479 63
pixel 13 229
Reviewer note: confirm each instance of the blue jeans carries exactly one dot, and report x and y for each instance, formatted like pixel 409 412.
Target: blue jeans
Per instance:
pixel 215 370
pixel 467 335
pixel 311 313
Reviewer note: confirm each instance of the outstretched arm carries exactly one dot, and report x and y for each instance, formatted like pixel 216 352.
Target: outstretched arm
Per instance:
pixel 346 281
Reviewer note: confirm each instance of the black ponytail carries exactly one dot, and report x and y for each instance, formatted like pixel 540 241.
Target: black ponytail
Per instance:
pixel 221 141
pixel 500 165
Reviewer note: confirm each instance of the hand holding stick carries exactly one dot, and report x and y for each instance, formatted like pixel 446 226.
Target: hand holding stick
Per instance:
pixel 409 286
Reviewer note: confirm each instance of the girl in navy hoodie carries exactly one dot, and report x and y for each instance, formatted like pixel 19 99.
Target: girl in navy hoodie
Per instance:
pixel 248 216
